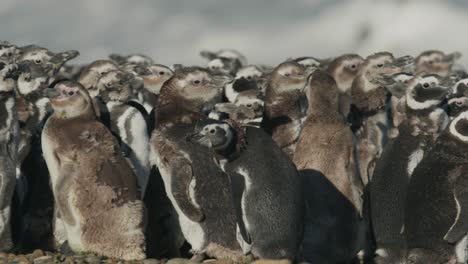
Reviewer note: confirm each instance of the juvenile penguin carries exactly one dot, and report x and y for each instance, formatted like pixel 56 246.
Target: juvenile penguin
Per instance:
pixel 436 62
pixel 245 111
pixel 139 59
pixel 285 105
pixel 332 187
pixel 91 74
pixel 265 187
pixel 198 189
pixel 95 189
pixel 368 115
pixel 435 216
pixel 127 122
pixel 344 69
pixel 425 119
pixel 9 134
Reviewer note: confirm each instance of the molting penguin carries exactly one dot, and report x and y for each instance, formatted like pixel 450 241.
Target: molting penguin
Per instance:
pixel 332 187
pixel 245 111
pixel 424 121
pixel 139 59
pixel 8 154
pixel 435 215
pixel 344 69
pixel 127 122
pixel 265 187
pixel 436 62
pixel 196 186
pixel 91 74
pixel 94 187
pixel 285 105
pixel 368 114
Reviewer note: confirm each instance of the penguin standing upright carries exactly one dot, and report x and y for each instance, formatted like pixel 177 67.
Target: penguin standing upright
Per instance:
pixel 368 115
pixel 127 122
pixel 92 72
pixel 94 188
pixel 435 214
pixel 425 119
pixel 285 104
pixel 197 187
pixel 266 188
pixel 332 187
pixel 9 133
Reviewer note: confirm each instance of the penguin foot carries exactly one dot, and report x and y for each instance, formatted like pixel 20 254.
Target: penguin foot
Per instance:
pixel 198 257
pixel 66 250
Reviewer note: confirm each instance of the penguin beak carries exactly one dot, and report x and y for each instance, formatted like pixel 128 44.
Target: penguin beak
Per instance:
pixel 51 93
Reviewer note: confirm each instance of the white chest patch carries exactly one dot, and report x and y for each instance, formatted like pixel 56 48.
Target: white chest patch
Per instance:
pixel 42 104
pixel 413 160
pixel 248 183
pixel 460 250
pixel 231 95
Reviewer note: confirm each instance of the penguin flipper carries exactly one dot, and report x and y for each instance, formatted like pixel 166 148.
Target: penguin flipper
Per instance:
pixel 182 176
pixel 459 228
pixel 237 190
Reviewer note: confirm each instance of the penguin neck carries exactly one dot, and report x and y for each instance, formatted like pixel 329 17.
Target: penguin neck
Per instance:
pixel 176 110
pixel 234 148
pixel 321 108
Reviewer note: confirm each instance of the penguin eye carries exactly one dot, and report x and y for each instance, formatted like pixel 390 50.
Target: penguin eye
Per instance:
pixel 161 73
pixel 71 93
pixel 38 61
pixel 196 82
pixel 426 85
pixel 108 85
pixel 459 103
pixel 287 74
pixel 212 131
pixel 249 105
pixel 249 77
pixel 380 65
pixel 9 54
pixel 430 62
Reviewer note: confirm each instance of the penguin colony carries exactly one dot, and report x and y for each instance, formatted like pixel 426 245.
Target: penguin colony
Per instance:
pixel 338 160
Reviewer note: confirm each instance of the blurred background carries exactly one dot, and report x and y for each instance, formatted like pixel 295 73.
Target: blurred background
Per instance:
pixel 266 31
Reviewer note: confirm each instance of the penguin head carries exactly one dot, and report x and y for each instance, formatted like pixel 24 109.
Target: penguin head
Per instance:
pixel 158 75
pixel 139 59
pixel 34 53
pixel 224 53
pixel 426 91
pixel 249 110
pixel 458 127
pixel 384 63
pixel 460 88
pixel 33 78
pixel 224 65
pixel 436 62
pixel 344 69
pixel 322 89
pixel 91 74
pixel 309 62
pixel 115 86
pixel 288 77
pixel 69 99
pixel 7 52
pixel 457 105
pixel 196 84
pixel 214 134
pixel 249 72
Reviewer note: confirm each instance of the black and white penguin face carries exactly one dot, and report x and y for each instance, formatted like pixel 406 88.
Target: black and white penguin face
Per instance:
pixel 33 79
pixel 217 136
pixel 224 66
pixel 457 105
pixel 458 127
pixel 425 92
pixel 115 86
pixel 93 72
pixel 460 88
pixel 7 52
pixel 198 84
pixel 249 72
pixel 288 76
pixel 68 99
pixel 36 54
pixel 249 110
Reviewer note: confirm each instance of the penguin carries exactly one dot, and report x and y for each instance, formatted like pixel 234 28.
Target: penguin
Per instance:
pixel 249 72
pixel 435 217
pixel 192 178
pixel 368 114
pixel 325 157
pixel 424 120
pixel 224 65
pixel 241 85
pixel 7 52
pixel 127 122
pixel 265 188
pixel 224 53
pixel 245 111
pixel 139 59
pixel 95 189
pixel 456 105
pixel 285 104
pixel 34 53
pixel 436 62
pixel 344 69
pixel 92 72
pixel 9 133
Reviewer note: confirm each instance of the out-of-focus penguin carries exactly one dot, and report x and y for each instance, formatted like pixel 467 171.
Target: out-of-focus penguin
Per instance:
pixel 436 62
pixel 91 74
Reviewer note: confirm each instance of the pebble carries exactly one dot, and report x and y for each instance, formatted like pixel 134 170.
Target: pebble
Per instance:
pixel 93 259
pixel 37 253
pixel 151 261
pixel 44 260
